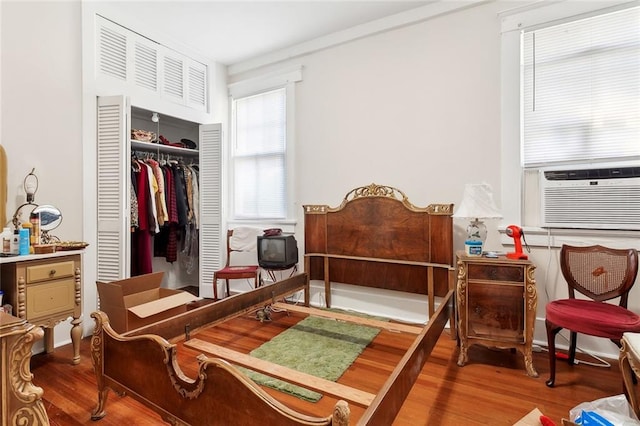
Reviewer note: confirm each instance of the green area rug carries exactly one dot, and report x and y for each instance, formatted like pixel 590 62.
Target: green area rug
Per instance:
pixel 321 347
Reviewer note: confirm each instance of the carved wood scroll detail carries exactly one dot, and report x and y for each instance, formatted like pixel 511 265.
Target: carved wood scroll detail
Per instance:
pixel 375 190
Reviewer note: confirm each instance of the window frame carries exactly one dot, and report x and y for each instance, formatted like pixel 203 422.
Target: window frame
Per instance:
pixel 255 86
pixel 514 23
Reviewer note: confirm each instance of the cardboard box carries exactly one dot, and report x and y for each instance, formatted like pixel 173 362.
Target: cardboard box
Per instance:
pixel 135 302
pixel 531 419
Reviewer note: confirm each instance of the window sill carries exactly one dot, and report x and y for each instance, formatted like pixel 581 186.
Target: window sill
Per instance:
pixel 548 237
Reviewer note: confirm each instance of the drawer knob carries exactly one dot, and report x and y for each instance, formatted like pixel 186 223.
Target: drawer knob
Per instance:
pixel 493 273
pixel 52 272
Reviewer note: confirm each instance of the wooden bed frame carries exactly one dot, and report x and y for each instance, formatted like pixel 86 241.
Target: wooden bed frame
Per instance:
pixel 377 238
pixel 221 394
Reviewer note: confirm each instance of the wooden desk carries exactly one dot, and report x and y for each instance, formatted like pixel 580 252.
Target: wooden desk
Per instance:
pixel 46 289
pixel 21 400
pixel 496 301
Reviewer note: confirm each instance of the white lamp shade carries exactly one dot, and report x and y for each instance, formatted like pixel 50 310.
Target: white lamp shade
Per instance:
pixel 477 203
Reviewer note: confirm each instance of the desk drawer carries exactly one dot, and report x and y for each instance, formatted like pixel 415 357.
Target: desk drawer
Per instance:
pixel 496 272
pixel 50 298
pixel 49 271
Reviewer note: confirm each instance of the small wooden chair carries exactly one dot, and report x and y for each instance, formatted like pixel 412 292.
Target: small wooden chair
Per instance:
pixel 234 272
pixel 599 274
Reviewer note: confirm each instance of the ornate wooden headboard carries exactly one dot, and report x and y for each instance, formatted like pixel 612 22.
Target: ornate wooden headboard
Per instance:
pixel 377 238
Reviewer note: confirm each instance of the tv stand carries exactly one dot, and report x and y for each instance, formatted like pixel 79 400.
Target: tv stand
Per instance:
pixel 272 272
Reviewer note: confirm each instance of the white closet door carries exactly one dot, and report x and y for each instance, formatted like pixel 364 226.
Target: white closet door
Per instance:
pixel 114 165
pixel 210 205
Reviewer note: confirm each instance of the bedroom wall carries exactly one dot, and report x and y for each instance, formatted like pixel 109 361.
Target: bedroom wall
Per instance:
pixel 41 110
pixel 418 108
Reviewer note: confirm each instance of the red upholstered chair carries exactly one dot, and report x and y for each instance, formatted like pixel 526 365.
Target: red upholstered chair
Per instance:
pixel 600 274
pixel 234 272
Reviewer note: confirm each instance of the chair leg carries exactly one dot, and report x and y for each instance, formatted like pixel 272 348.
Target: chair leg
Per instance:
pixel 552 330
pixel 215 288
pixel 572 348
pixel 228 291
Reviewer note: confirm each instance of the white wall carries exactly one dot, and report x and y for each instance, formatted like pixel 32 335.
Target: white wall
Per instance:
pixel 41 104
pixel 418 108
pixel 41 109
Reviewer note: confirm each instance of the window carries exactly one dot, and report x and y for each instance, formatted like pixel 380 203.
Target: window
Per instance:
pixel 581 90
pixel 261 151
pixel 570 94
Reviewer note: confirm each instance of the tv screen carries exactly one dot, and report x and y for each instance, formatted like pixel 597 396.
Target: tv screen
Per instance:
pixel 277 252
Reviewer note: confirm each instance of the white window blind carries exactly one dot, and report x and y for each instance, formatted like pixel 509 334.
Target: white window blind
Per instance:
pixel 581 90
pixel 259 156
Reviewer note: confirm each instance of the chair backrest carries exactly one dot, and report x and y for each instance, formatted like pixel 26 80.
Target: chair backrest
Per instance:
pixel 244 242
pixel 598 272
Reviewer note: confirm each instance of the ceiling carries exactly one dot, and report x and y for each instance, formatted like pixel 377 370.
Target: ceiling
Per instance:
pixel 230 32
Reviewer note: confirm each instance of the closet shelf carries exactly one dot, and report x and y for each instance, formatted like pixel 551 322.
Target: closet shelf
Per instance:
pixel 166 149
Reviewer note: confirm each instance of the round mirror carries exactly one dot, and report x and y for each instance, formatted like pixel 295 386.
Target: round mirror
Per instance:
pixel 50 217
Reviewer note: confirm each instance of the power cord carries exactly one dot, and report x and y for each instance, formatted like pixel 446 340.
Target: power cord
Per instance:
pixel 602 362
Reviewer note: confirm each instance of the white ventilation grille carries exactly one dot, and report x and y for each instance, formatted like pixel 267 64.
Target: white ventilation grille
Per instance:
pixel 197 85
pixel 126 60
pixel 607 198
pixel 146 66
pixel 112 53
pixel 173 81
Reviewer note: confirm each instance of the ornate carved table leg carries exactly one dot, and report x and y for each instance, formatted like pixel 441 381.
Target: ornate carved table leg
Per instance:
pixel 461 301
pixel 22 402
pixel 76 330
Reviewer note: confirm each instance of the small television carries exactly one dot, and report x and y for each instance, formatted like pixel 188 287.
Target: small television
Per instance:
pixel 277 251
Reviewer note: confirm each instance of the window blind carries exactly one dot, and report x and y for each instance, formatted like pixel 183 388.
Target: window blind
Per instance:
pixel 259 166
pixel 581 90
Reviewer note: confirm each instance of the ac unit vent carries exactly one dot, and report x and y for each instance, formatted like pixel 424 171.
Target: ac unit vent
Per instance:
pixel 601 198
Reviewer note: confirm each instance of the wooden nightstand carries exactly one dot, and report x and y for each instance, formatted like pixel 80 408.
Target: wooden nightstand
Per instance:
pixel 46 289
pixel 496 300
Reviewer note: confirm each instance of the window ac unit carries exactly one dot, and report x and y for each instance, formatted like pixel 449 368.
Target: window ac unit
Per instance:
pixel 591 198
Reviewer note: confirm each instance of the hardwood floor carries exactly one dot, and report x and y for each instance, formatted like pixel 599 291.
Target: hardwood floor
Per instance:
pixel 492 389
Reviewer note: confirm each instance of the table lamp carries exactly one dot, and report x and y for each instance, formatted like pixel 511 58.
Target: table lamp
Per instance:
pixel 30 186
pixel 477 204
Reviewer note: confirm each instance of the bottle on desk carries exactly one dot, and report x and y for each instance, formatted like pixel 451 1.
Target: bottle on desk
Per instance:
pixel 15 242
pixel 6 240
pixel 24 247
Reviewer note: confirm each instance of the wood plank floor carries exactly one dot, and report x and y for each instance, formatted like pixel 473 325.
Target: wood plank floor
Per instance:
pixel 492 389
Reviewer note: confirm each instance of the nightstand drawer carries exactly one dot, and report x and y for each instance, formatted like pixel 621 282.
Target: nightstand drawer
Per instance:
pixel 496 272
pixel 50 298
pixel 49 271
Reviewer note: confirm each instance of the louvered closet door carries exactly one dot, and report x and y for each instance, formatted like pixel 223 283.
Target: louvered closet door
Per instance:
pixel 210 205
pixel 113 188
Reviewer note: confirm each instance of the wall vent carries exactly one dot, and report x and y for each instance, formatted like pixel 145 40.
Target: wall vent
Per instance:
pixel 591 198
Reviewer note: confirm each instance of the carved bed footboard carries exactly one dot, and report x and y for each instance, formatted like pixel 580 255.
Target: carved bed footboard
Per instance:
pixel 144 366
pixel 220 394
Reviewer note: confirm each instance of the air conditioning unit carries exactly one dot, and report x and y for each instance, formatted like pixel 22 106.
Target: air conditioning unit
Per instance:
pixel 591 198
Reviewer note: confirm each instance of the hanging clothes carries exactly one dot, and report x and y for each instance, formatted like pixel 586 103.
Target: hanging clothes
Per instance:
pixel 141 236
